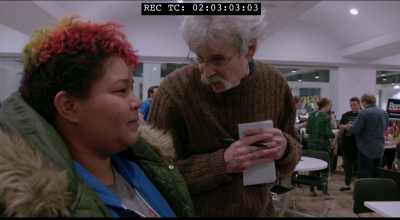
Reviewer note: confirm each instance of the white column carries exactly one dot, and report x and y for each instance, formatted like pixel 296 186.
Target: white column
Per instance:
pixel 347 83
pixel 151 76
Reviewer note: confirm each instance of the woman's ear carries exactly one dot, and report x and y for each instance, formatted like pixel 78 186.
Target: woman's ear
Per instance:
pixel 66 105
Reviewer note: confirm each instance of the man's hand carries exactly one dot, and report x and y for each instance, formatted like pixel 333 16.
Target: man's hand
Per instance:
pixel 304 124
pixel 348 127
pixel 240 155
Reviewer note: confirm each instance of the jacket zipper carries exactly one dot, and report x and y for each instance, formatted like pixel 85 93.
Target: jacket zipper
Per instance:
pixel 133 211
pixel 146 202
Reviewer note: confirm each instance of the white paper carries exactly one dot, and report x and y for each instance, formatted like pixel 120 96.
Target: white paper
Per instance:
pixel 262 173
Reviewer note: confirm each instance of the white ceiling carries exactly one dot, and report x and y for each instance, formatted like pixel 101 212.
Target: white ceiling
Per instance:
pixel 371 35
pixel 374 19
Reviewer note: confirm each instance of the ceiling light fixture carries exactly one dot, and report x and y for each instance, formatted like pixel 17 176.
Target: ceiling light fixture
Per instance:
pixel 180 1
pixel 317 76
pixel 293 70
pixel 299 78
pixel 384 79
pixel 354 11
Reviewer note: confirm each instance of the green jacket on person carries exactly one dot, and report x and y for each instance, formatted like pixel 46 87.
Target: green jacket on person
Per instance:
pixel 34 160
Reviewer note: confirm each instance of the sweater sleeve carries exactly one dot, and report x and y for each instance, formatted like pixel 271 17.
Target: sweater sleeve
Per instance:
pixel 288 162
pixel 201 172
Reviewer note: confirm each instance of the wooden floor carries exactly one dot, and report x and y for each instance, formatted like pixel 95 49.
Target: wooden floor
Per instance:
pixel 341 204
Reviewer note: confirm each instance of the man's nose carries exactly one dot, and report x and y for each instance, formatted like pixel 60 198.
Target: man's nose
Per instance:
pixel 208 71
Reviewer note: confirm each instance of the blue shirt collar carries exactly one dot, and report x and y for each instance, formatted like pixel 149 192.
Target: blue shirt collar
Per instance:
pixel 251 67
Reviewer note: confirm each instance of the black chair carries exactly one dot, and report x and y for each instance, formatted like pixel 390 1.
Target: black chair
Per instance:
pixel 314 180
pixel 393 175
pixel 277 189
pixel 372 189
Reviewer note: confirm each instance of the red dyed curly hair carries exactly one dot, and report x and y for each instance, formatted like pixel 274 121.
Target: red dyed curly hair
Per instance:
pixel 76 35
pixel 70 57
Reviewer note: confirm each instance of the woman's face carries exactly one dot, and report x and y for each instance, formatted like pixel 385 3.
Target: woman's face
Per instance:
pixel 329 107
pixel 298 105
pixel 108 118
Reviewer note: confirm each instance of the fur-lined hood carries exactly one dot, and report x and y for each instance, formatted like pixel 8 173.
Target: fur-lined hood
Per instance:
pixel 29 187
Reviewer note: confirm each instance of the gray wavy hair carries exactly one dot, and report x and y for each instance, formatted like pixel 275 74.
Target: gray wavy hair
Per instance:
pixel 212 31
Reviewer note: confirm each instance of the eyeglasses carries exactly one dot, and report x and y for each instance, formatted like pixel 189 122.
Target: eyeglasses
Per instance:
pixel 214 63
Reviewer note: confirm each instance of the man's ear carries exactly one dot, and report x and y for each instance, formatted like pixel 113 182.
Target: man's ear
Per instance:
pixel 252 50
pixel 66 105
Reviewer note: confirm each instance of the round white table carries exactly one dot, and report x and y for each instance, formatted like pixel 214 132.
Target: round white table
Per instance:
pixel 305 164
pixel 310 164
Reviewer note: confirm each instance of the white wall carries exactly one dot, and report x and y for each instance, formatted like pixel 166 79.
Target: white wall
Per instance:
pixel 12 41
pixel 349 82
pixel 155 37
pixel 9 77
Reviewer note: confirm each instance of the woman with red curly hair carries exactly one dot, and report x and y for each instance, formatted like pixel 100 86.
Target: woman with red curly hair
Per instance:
pixel 71 144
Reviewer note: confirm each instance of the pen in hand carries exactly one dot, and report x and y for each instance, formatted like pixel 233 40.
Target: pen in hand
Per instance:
pixel 231 141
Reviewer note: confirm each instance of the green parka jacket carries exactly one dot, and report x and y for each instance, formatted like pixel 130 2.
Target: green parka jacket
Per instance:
pixel 45 177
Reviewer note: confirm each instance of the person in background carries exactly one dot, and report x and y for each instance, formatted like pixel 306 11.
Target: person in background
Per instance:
pixel 71 144
pixel 349 146
pixel 204 102
pixel 389 132
pixel 145 109
pixel 389 154
pixel 369 130
pixel 319 128
pixel 298 101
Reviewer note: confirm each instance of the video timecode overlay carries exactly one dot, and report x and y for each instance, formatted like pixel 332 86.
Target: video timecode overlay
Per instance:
pixel 201 8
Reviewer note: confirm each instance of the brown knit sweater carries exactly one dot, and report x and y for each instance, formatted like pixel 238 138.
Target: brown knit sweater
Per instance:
pixel 198 118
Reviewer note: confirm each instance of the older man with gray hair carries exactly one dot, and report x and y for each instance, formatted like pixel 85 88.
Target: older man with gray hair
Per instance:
pixel 369 130
pixel 204 102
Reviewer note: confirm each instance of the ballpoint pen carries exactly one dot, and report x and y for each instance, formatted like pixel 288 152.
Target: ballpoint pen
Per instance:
pixel 231 141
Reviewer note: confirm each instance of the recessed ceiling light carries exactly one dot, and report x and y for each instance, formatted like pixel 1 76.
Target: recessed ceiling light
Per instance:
pixel 383 74
pixel 392 83
pixel 317 77
pixel 293 70
pixel 396 87
pixel 354 11
pixel 384 79
pixel 155 68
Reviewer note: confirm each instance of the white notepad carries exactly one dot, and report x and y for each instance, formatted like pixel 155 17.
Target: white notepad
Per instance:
pixel 262 173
